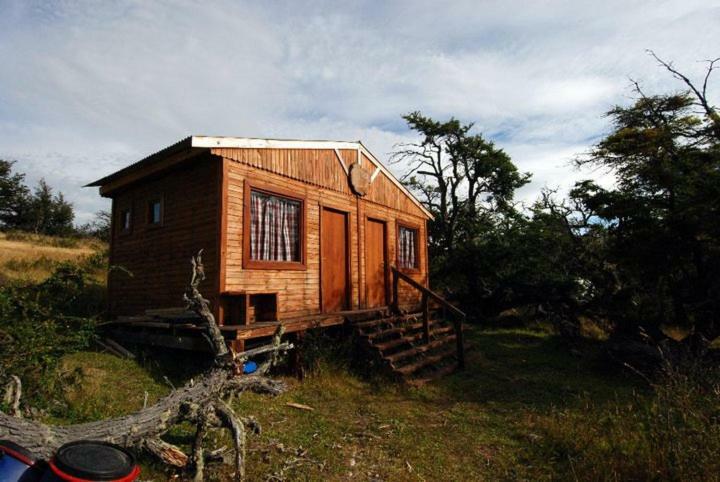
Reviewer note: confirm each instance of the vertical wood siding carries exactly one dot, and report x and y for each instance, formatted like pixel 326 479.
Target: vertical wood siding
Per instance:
pixel 203 208
pixel 318 176
pixel 159 256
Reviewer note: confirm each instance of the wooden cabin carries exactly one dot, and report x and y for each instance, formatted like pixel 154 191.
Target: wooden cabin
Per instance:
pixel 294 232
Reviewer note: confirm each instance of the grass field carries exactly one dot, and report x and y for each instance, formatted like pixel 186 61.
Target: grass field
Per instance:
pixel 486 423
pixel 32 257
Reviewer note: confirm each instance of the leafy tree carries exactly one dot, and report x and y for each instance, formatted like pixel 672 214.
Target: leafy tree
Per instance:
pixel 661 251
pixel 468 184
pixel 14 196
pixel 41 211
pixel 50 213
pixel 460 177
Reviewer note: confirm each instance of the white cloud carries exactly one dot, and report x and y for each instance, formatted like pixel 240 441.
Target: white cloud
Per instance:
pixel 91 86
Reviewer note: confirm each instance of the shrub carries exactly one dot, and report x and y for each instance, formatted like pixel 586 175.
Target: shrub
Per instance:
pixel 26 264
pixel 40 322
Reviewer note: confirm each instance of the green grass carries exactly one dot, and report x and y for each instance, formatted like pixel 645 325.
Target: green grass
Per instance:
pixel 526 408
pixel 94 386
pixel 475 425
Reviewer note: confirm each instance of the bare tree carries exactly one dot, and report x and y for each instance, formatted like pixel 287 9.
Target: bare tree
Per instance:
pixel 700 92
pixel 458 175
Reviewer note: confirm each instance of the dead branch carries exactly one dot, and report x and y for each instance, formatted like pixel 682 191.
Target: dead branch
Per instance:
pixel 237 429
pixel 197 450
pixel 13 393
pixel 199 402
pixel 195 302
pixel 167 453
pixel 700 93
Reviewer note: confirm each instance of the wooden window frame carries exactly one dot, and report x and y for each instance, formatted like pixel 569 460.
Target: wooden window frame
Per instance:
pixel 248 263
pixel 160 200
pixel 123 231
pixel 417 228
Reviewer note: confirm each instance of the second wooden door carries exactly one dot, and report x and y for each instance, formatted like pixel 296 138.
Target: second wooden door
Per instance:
pixel 334 260
pixel 375 264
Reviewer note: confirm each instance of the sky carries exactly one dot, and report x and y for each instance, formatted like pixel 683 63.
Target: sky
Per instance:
pixel 88 87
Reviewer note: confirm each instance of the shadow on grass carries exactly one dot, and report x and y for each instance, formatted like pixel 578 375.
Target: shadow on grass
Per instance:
pixel 174 366
pixel 532 370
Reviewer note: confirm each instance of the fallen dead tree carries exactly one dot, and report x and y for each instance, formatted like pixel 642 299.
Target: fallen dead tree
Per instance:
pixel 202 402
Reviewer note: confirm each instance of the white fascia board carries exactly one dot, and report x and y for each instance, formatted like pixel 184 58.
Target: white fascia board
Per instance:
pixel 252 143
pixel 209 142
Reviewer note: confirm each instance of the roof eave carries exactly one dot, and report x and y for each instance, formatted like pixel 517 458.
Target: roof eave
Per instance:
pixel 209 142
pixel 177 147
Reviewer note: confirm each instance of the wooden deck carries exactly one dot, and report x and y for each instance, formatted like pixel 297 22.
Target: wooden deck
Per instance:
pixel 158 328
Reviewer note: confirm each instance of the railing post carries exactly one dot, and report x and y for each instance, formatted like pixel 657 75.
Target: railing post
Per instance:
pixel 395 299
pixel 460 342
pixel 426 317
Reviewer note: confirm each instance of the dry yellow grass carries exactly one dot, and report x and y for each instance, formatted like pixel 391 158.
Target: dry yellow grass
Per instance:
pixel 32 257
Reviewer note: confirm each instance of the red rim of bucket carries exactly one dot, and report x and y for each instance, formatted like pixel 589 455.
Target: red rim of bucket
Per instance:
pixel 128 478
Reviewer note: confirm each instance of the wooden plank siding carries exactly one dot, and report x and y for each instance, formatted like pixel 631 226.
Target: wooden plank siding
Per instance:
pixel 203 200
pixel 159 256
pixel 318 176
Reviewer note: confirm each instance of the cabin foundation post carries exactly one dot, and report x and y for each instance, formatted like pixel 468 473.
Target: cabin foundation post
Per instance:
pixel 426 318
pixel 296 355
pixel 395 302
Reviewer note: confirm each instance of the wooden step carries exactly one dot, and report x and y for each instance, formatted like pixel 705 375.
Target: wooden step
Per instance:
pixel 383 333
pixel 416 350
pixel 398 340
pixel 388 345
pixel 434 375
pixel 376 322
pixel 403 328
pixel 422 363
pixel 355 316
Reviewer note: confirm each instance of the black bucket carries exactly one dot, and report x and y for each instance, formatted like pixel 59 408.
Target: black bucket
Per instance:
pixel 87 460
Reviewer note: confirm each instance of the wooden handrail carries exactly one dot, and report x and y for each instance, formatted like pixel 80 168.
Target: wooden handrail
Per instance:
pixel 430 293
pixel 426 295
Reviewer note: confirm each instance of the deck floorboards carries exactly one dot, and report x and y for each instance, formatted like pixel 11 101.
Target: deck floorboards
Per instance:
pixel 184 335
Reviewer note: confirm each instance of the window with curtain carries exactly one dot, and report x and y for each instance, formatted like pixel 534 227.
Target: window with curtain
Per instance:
pixel 408 248
pixel 274 228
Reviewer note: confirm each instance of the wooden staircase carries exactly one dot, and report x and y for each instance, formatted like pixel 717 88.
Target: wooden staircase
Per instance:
pixel 415 347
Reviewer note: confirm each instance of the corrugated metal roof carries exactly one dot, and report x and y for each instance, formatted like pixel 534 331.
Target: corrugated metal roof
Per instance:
pixel 208 142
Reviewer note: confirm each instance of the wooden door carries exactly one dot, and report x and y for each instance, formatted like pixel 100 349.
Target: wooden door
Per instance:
pixel 375 264
pixel 334 260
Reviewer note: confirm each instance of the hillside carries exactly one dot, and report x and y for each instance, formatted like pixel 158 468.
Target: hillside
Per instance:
pixel 25 256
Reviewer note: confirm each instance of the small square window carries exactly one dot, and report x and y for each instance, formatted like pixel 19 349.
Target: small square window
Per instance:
pixel 155 212
pixel 126 220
